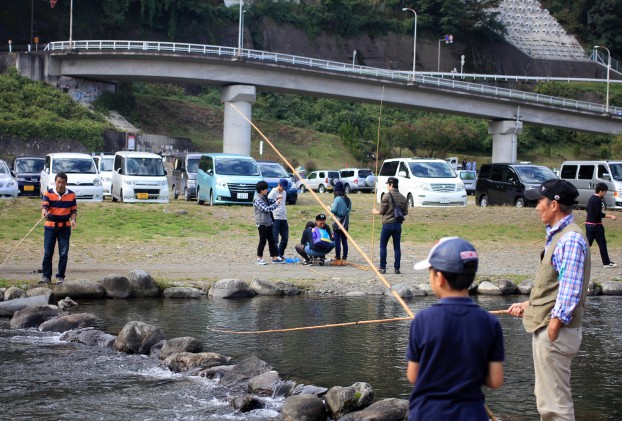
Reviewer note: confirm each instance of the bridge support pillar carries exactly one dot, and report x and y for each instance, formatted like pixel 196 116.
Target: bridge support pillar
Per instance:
pixel 505 139
pixel 237 131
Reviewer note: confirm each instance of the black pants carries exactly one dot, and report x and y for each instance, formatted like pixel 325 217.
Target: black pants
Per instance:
pixel 265 234
pixel 597 232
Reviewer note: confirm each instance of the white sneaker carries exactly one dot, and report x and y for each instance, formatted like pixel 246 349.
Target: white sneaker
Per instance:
pixel 261 262
pixel 610 265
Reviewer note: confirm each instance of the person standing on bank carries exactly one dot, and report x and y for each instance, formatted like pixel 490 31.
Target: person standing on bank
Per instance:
pixel 342 205
pixel 263 208
pixel 60 210
pixel 280 226
pixel 594 229
pixel 391 227
pixel 554 312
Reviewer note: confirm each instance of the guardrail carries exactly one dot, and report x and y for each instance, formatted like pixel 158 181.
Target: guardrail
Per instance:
pixel 427 79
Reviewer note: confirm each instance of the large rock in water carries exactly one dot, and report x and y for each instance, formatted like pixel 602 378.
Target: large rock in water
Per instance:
pixel 81 288
pixel 9 308
pixel 138 338
pixel 304 408
pixel 243 371
pixel 116 286
pixel 33 316
pixel 184 361
pixel 341 400
pixel 612 288
pixel 67 322
pixel 89 336
pixel 142 284
pixel 231 288
pixel 384 410
pixel 182 292
pixel 184 344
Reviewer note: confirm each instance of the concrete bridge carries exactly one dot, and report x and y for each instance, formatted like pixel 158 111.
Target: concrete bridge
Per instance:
pixel 241 72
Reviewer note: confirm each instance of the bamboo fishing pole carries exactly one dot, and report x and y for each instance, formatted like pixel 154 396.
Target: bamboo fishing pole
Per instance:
pixel 22 240
pixel 373 217
pixel 335 219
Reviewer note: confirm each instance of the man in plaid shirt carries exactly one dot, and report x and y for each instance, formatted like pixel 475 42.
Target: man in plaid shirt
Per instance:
pixel 554 311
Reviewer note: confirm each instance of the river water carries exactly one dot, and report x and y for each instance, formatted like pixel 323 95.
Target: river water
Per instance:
pixel 42 377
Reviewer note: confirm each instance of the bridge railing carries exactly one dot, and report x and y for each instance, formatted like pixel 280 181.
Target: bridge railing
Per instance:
pixel 426 79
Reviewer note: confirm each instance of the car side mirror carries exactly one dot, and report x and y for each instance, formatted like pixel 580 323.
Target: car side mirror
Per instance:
pixel 165 172
pixel 210 172
pixel 13 173
pixel 402 174
pixel 120 171
pixel 606 176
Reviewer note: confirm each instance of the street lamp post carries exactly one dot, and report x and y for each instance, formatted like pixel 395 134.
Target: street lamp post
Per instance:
pixel 353 57
pixel 449 39
pixel 414 39
pixel 70 22
pixel 608 71
pixel 240 31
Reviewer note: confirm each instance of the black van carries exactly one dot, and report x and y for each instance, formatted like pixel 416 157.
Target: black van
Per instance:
pixel 505 184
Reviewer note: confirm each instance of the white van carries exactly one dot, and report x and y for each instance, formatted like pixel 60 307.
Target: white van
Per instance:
pixel 424 182
pixel 584 175
pixel 82 176
pixel 139 177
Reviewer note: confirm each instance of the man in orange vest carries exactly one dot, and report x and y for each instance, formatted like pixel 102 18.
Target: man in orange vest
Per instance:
pixel 59 210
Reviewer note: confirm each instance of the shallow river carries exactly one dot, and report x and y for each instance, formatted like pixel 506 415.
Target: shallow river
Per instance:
pixel 44 378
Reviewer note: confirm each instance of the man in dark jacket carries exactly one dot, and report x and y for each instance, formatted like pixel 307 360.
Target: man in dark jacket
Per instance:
pixel 391 228
pixel 594 229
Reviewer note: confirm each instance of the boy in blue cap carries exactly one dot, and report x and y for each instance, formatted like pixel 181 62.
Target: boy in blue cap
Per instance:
pixel 454 347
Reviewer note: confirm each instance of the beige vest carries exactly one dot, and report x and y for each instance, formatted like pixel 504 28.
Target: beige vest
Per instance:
pixel 544 293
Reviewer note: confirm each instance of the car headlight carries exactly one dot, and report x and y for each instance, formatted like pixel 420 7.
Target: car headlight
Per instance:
pixel 423 186
pixel 97 182
pixel 191 183
pixel 107 179
pixel 460 187
pixel 21 179
pixel 221 183
pixel 128 182
pixel 162 183
pixel 12 183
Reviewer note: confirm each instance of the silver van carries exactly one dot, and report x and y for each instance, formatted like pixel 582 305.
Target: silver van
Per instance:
pixel 584 175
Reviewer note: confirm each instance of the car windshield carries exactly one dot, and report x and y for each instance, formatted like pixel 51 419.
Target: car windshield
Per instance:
pixel 145 167
pixel 467 175
pixel 4 169
pixel 272 171
pixel 193 166
pixel 616 171
pixel 29 165
pixel 236 166
pixel 74 166
pixel 431 170
pixel 106 164
pixel 534 175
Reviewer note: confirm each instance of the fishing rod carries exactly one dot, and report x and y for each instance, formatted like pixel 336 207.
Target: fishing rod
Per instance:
pixel 22 240
pixel 373 217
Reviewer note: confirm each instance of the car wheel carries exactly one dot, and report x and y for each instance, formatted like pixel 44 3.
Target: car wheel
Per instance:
pixel 199 201
pixel 411 201
pixel 321 189
pixel 186 195
pixel 211 198
pixel 347 188
pixel 302 188
pixel 483 201
pixel 121 195
pixel 520 202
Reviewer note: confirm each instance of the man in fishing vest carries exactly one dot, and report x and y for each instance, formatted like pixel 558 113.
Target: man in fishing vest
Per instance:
pixel 59 210
pixel 554 311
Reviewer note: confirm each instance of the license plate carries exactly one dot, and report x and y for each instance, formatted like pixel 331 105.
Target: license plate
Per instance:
pixel 29 188
pixel 142 195
pixel 242 195
pixel 444 200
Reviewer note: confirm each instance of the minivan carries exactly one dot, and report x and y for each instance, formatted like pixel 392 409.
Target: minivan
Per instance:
pixel 104 164
pixel 184 178
pixel 584 175
pixel 505 184
pixel 139 177
pixel 357 180
pixel 27 172
pixel 227 178
pixel 424 182
pixel 320 181
pixel 82 175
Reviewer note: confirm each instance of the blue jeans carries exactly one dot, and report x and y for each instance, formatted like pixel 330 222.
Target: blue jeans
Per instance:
pixel 280 227
pixel 50 238
pixel 394 230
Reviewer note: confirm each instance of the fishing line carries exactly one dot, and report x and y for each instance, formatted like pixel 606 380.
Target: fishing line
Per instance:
pixel 22 240
pixel 336 220
pixel 373 217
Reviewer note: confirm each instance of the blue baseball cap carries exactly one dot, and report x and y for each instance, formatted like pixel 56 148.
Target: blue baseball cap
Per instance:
pixel 450 254
pixel 283 183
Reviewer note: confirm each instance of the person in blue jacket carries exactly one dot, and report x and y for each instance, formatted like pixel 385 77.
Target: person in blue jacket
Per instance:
pixel 342 205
